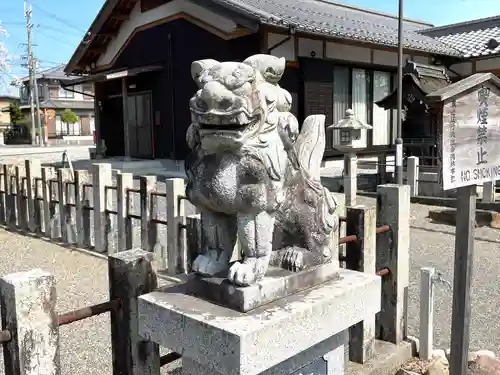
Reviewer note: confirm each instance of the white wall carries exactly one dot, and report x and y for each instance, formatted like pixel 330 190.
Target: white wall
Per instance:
pixel 138 19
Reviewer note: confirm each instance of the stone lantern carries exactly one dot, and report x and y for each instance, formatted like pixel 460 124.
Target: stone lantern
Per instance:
pixel 349 135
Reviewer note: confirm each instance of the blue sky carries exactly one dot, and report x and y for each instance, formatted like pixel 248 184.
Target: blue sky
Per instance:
pixel 60 24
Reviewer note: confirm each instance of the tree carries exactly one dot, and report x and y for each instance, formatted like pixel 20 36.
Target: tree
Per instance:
pixel 4 59
pixel 16 115
pixel 69 117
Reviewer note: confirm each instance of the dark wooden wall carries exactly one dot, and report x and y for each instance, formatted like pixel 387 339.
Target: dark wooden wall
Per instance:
pixel 175 45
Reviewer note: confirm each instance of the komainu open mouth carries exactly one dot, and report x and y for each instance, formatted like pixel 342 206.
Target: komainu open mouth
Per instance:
pixel 225 127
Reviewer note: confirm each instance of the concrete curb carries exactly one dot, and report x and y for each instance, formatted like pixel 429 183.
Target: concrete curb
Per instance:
pixel 483 218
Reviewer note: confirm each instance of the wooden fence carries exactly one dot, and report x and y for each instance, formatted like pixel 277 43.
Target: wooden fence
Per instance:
pixel 56 204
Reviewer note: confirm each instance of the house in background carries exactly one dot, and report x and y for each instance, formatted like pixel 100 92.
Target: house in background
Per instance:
pixel 5 102
pixel 138 54
pixel 54 99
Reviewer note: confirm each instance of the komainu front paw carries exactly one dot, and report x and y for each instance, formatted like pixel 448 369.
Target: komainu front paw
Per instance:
pixel 243 274
pixel 293 259
pixel 210 263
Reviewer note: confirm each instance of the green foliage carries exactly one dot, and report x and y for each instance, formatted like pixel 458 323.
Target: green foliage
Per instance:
pixel 68 116
pixel 16 116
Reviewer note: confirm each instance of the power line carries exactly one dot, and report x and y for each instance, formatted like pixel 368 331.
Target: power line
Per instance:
pixel 57 39
pixel 57 18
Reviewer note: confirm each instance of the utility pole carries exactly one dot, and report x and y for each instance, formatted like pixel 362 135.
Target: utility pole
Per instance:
pixel 41 138
pixel 29 25
pixel 399 140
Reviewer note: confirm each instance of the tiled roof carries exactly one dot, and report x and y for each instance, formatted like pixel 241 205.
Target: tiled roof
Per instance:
pixel 474 38
pixel 331 19
pixel 56 72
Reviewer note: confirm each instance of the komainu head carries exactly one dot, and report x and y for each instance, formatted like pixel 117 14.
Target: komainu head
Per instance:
pixel 236 102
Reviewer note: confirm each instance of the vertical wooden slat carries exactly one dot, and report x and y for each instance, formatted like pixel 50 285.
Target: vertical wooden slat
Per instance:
pixel 124 182
pixel 22 208
pixel 33 171
pixel 82 178
pixel 147 186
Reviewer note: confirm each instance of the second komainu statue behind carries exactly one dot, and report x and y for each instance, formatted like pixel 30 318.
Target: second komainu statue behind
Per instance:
pixel 253 175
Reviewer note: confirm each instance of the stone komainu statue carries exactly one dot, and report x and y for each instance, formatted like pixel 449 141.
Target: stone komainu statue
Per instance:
pixel 252 174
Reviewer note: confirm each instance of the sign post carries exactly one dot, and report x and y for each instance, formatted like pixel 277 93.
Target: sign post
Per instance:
pixel 470 155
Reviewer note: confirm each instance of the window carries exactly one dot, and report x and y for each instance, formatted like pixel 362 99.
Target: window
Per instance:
pixel 53 92
pixel 63 129
pixel 345 136
pixel 65 94
pixel 41 92
pixel 25 93
pixel 88 91
pixel 360 96
pixel 381 117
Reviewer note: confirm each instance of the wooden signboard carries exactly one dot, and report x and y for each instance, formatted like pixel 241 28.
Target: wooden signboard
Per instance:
pixel 471 137
pixel 470 155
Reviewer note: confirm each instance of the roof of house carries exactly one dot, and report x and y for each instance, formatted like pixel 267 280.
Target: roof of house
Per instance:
pixel 63 104
pixel 9 97
pixel 462 86
pixel 328 18
pixel 426 78
pixel 56 72
pixel 473 38
pixel 320 17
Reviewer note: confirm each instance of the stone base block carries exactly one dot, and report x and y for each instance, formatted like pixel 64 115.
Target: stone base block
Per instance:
pixel 281 337
pixel 278 283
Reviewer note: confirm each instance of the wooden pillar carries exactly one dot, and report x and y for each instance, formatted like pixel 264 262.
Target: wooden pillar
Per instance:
pixel 97 122
pixel 126 136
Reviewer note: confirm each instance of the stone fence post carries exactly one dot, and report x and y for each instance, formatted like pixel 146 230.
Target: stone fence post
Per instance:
pixel 101 178
pixel 488 192
pixel 28 302
pixel 361 255
pixel 176 224
pixel 412 172
pixel 131 275
pixel 393 209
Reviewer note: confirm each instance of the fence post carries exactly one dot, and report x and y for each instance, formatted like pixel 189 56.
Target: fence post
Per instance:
pixel 82 179
pixel 194 237
pixel 28 302
pixel 412 174
pixel 131 275
pixel 350 179
pixel 3 194
pixel 147 186
pixel 68 232
pixel 10 198
pixel 33 173
pixel 426 312
pixel 22 207
pixel 361 255
pixel 488 192
pixel 176 237
pixel 101 178
pixel 381 168
pixel 124 182
pixel 393 209
pixel 49 217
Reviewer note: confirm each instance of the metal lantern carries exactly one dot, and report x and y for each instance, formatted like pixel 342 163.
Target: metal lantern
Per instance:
pixel 349 134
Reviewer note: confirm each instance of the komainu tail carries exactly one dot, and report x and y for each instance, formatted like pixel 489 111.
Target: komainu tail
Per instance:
pixel 308 153
pixel 310 146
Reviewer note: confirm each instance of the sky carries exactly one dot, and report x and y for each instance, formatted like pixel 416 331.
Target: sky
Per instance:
pixel 59 25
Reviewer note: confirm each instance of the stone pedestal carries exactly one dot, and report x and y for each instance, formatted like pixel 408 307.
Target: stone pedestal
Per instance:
pixel 302 333
pixel 350 179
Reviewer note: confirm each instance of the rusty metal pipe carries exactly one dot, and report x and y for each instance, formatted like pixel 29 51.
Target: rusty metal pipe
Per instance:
pixel 87 312
pixel 169 358
pixel 383 272
pixel 353 237
pixel 383 229
pixel 5 336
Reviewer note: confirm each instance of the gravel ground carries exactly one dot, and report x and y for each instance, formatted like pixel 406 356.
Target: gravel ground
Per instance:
pixel 82 280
